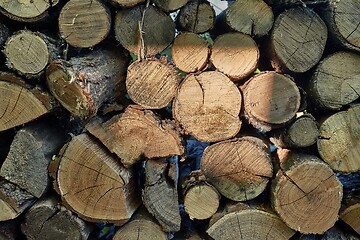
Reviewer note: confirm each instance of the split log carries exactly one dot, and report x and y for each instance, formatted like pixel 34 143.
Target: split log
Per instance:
pixel 245 222
pixel 254 18
pixel 48 220
pixel 170 5
pixel 306 193
pixel 28 53
pixel 342 20
pixel 339 140
pixel 201 199
pixel 239 168
pixel 160 193
pixel 196 17
pixel 141 226
pixel 152 83
pixel 13 200
pixel 137 133
pixel 295 34
pixel 275 107
pixel 94 184
pixel 31 151
pixel 27 11
pixel 235 54
pixel 144 30
pixel 302 132
pixel 84 83
pixel 190 52
pixel 208 106
pixel 9 230
pixel 336 81
pixel 351 215
pixel 125 3
pixel 79 26
pixel 19 103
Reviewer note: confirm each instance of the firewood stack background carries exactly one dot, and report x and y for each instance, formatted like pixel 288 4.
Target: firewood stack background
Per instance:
pixel 163 119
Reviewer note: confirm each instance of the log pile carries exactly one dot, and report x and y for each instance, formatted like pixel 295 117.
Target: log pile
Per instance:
pixel 160 119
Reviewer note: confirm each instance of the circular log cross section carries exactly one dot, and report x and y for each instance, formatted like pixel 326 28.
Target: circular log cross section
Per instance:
pixel 336 81
pixel 239 169
pixel 208 106
pixel 235 54
pixel 84 23
pixel 190 52
pixel 278 104
pixel 140 229
pixel 170 5
pixel 296 33
pixel 152 83
pixel 26 52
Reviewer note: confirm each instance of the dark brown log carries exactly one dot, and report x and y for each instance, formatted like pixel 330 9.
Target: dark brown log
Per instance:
pixel 170 5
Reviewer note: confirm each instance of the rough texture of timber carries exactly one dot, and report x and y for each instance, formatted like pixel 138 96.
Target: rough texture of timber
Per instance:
pixel 296 33
pixel 84 83
pixel 170 5
pixel 208 106
pixel 339 140
pixel 137 133
pixel 141 226
pixel 306 193
pixel 94 184
pixel 152 83
pixel 197 17
pixel 239 168
pixel 160 194
pixel 246 222
pixel 235 54
pixel 19 103
pixel 144 30
pixel 351 215
pixel 13 200
pixel 336 81
pixel 302 132
pixel 342 19
pixel 31 151
pixel 190 52
pixel 28 53
pixel 47 220
pixel 84 23
pixel 26 11
pixel 125 3
pixel 254 17
pixel 275 107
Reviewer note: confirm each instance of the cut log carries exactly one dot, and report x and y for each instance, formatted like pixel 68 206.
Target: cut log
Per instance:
pixel 144 30
pixel 170 5
pixel 339 140
pixel 351 215
pixel 208 106
pixel 125 3
pixel 342 20
pixel 19 103
pixel 248 223
pixel 94 184
pixel 275 107
pixel 152 83
pixel 79 27
pixel 239 168
pixel 196 17
pixel 26 11
pixel 47 220
pixel 9 230
pixel 28 53
pixel 30 153
pixel 137 133
pixel 84 83
pixel 302 132
pixel 336 81
pixel 201 199
pixel 190 52
pixel 141 226
pixel 253 18
pixel 13 200
pixel 295 34
pixel 160 194
pixel 235 54
pixel 306 193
